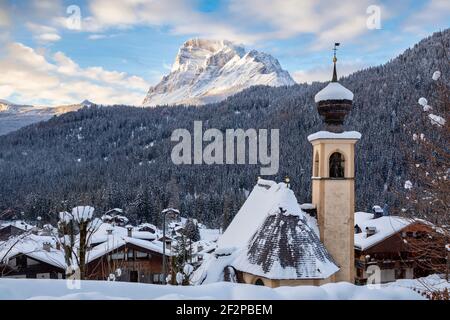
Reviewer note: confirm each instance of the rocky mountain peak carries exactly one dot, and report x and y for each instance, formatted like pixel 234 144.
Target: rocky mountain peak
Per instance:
pixel 207 71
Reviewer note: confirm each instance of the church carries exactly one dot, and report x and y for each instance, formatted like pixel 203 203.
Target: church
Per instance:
pixel 272 241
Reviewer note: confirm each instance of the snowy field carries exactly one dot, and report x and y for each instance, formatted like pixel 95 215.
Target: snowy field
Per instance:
pixel 13 289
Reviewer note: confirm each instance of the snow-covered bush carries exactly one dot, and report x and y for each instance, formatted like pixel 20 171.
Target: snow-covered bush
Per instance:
pixel 423 101
pixel 82 213
pixel 188 269
pixel 179 278
pixel 408 185
pixel 427 108
pixel 436 75
pixel 436 120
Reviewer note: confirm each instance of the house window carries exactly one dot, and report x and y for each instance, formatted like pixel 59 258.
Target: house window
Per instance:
pixel 158 277
pixel 336 165
pixel 259 282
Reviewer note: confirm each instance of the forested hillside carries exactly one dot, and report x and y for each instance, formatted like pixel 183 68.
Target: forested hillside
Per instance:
pixel 120 156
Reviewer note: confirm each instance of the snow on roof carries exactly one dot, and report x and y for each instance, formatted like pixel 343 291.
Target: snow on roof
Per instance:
pixel 20 224
pixel 115 209
pixel 167 210
pixel 101 233
pixel 333 91
pixel 203 246
pixel 331 135
pixel 147 225
pixel 307 206
pixel 117 241
pixel 32 246
pixel 285 247
pixel 377 209
pixel 385 227
pixel 212 268
pixel 266 197
pixel 209 234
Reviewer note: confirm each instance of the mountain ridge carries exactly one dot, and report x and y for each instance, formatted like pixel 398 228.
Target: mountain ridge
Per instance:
pixel 14 116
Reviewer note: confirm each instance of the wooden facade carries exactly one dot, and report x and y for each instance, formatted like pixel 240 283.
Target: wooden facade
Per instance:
pixel 10 231
pixel 392 256
pixel 136 264
pixel 23 266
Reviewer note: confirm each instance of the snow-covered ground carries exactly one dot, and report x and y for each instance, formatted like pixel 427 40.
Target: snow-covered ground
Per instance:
pixel 57 289
pixel 434 282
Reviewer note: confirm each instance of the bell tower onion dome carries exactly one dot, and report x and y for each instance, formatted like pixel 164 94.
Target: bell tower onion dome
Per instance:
pixel 334 101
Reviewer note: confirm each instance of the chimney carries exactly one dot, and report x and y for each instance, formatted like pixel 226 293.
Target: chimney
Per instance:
pixel 370 231
pixel 377 212
pixel 109 231
pixel 58 245
pixel 46 246
pixel 130 231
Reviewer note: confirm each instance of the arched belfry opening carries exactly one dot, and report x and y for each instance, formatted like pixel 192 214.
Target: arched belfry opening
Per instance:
pixel 259 282
pixel 337 165
pixel 316 165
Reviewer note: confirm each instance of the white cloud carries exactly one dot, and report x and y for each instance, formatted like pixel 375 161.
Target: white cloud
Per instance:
pixel 246 21
pixel 33 77
pixel 434 14
pixel 324 73
pixel 327 21
pixel 43 33
pixel 48 37
pixel 179 15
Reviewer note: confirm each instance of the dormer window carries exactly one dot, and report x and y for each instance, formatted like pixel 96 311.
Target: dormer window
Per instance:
pixel 337 165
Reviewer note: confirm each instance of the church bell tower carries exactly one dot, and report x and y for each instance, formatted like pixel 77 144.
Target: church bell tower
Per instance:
pixel 333 176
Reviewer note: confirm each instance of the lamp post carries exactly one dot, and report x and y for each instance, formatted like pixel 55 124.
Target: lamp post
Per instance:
pixel 172 213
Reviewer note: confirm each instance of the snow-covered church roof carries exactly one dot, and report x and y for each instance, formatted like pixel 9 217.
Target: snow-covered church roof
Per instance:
pixel 265 198
pixel 334 91
pixel 285 247
pixel 291 246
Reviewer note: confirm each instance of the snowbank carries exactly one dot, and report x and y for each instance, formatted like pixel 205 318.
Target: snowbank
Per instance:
pixel 433 281
pixel 14 289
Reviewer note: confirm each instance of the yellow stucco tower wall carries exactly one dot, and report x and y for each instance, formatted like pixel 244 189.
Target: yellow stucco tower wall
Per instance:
pixel 334 199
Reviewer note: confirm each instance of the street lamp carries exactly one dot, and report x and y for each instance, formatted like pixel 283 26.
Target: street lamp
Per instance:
pixel 172 214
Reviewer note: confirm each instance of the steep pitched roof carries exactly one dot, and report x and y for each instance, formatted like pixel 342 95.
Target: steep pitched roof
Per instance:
pixel 115 242
pixel 285 247
pixel 32 246
pixel 385 227
pixel 264 198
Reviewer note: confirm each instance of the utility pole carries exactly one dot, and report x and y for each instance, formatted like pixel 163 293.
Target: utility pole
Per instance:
pixel 172 213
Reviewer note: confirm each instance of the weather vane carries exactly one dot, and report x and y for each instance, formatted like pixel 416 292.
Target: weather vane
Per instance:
pixel 337 44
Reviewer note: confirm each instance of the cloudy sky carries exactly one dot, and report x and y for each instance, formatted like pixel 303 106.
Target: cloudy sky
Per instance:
pixel 55 52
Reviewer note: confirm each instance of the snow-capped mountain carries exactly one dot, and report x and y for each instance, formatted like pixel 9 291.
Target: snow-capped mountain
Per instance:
pixel 15 116
pixel 207 71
